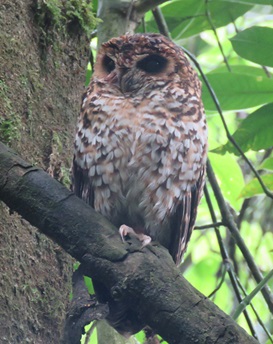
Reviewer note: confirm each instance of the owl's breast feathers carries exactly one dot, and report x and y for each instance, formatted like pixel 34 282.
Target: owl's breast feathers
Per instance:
pixel 141 161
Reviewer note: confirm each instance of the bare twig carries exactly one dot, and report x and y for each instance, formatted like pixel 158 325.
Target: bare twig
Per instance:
pixel 129 13
pixel 232 243
pixel 219 284
pixel 143 6
pixel 143 23
pixel 210 225
pixel 161 22
pixel 225 258
pixel 243 210
pixel 267 73
pixel 230 223
pixel 216 35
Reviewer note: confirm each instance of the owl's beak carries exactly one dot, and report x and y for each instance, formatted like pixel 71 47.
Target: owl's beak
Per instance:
pixel 118 78
pixel 125 83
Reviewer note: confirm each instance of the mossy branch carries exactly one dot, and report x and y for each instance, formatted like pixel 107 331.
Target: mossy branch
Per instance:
pixel 146 278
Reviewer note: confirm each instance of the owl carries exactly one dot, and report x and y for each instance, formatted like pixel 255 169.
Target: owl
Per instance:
pixel 141 141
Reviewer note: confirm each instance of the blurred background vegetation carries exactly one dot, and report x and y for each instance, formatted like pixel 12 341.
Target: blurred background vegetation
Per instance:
pixel 233 44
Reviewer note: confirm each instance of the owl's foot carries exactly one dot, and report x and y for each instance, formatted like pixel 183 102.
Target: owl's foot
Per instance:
pixel 125 230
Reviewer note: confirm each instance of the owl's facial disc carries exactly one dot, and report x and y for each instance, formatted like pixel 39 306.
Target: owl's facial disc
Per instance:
pixel 130 79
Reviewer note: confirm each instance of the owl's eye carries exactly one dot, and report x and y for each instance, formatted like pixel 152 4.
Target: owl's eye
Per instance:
pixel 152 64
pixel 108 64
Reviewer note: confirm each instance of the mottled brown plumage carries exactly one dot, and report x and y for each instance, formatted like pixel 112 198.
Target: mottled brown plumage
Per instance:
pixel 141 147
pixel 141 142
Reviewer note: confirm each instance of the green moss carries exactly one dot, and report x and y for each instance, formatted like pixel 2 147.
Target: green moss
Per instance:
pixel 4 96
pixel 70 15
pixel 57 142
pixel 9 122
pixel 7 130
pixel 57 166
pixel 66 177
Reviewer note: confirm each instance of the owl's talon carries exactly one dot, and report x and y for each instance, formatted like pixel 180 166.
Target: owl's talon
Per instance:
pixel 145 239
pixel 125 230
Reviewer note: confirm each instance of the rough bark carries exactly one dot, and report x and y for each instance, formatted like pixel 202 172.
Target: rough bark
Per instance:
pixel 42 74
pixel 146 278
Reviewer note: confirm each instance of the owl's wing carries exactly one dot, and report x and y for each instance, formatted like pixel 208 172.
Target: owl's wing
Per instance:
pixel 182 221
pixel 81 184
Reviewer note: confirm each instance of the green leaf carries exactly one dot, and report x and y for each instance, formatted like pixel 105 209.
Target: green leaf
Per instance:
pixel 237 91
pixel 88 74
pixel 240 69
pixel 188 17
pixel 267 164
pixel 254 188
pixel 89 284
pixel 259 2
pixel 93 337
pixel 229 176
pixel 255 44
pixel 254 132
pixel 199 272
pixel 140 336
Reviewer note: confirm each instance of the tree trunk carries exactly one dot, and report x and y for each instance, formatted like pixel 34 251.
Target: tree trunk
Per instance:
pixel 42 67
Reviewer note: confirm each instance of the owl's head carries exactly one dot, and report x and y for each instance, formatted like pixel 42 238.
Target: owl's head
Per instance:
pixel 132 65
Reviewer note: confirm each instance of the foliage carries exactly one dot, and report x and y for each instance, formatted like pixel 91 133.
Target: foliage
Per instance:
pixel 232 41
pixel 252 44
pixel 253 133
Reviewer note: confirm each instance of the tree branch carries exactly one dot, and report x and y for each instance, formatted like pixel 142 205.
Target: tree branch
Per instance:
pixel 232 226
pixel 143 6
pixel 115 13
pixel 147 279
pixel 124 16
